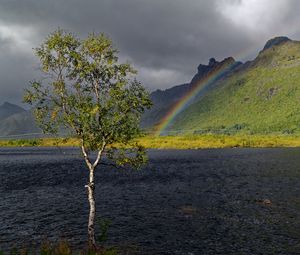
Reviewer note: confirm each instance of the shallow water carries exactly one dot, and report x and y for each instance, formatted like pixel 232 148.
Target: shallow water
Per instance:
pixel 183 202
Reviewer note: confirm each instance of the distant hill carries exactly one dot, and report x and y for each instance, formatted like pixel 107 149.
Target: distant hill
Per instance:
pixel 14 120
pixel 8 109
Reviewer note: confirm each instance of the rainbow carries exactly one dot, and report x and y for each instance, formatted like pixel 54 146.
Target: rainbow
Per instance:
pixel 196 89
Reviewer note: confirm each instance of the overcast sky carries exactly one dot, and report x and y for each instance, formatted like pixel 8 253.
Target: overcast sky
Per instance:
pixel 164 39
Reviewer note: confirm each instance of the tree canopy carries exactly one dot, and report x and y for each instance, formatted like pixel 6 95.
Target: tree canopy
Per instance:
pixel 88 93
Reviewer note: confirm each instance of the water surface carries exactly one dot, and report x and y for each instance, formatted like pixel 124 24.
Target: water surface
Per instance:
pixel 183 202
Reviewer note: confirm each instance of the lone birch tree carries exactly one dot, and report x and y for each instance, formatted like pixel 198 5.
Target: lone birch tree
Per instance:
pixel 90 95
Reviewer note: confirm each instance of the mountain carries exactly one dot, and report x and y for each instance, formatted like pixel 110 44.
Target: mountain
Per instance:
pixel 276 41
pixel 8 109
pixel 164 100
pixel 14 120
pixel 260 96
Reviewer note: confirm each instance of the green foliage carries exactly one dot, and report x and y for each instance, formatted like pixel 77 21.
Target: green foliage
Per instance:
pixel 131 155
pixel 263 98
pixel 88 93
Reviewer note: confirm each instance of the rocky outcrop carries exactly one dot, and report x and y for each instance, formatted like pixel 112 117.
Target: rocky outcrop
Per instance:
pixel 276 41
pixel 228 64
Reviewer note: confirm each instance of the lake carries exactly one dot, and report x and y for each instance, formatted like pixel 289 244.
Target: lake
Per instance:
pixel 218 201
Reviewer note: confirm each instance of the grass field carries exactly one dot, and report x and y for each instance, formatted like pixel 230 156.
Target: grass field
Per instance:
pixel 219 141
pixel 180 142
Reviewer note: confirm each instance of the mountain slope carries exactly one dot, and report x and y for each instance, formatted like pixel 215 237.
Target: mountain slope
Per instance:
pixel 14 120
pixel 8 109
pixel 19 124
pixel 263 96
pixel 164 100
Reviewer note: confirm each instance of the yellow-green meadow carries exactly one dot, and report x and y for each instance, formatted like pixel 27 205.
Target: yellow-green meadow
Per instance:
pixel 180 142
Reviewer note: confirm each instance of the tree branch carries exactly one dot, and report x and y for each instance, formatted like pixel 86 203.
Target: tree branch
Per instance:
pixel 99 155
pixel 85 155
pixel 114 165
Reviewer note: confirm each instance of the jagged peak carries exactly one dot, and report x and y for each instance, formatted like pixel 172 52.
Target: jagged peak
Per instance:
pixel 212 61
pixel 276 41
pixel 213 64
pixel 229 59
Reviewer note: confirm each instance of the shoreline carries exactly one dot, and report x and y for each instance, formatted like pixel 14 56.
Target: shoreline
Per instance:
pixel 208 141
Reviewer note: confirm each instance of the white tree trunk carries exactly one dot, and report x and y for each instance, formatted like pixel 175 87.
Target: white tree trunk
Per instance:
pixel 91 194
pixel 91 198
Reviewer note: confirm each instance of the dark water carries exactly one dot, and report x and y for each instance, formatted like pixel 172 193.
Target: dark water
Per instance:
pixel 183 202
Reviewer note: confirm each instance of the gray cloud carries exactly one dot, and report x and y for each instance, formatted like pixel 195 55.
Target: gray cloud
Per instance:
pixel 164 39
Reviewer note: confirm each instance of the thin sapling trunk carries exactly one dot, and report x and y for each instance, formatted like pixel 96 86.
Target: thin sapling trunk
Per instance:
pixel 91 194
pixel 91 197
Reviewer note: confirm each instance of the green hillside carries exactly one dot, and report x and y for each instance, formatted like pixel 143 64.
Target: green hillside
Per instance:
pixel 263 96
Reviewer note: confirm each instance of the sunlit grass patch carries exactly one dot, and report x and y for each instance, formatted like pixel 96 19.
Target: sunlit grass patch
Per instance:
pixel 203 141
pixel 40 142
pixel 219 141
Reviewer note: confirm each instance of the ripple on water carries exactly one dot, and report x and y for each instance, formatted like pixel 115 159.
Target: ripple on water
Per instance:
pixel 183 202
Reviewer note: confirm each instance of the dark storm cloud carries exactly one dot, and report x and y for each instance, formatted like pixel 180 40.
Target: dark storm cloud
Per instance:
pixel 164 39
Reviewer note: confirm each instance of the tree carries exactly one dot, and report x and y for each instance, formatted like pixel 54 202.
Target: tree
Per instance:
pixel 87 93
